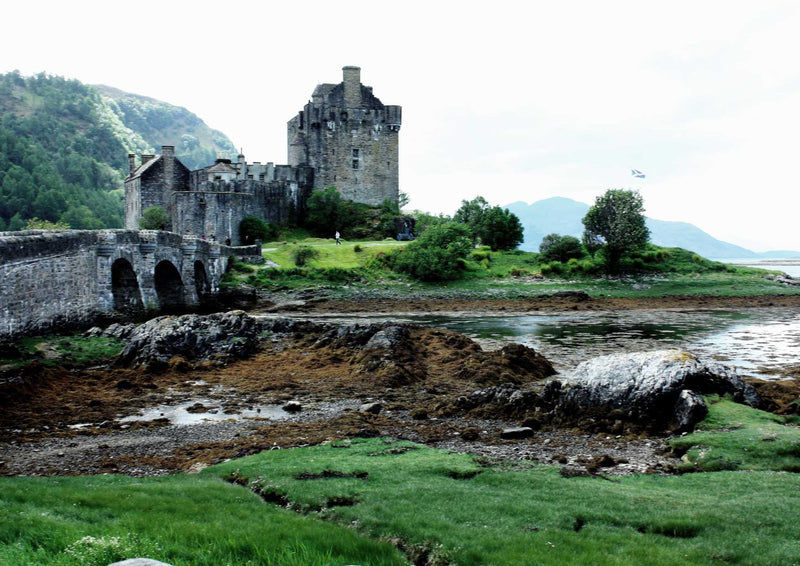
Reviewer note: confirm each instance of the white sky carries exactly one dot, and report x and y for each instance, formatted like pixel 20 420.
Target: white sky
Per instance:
pixel 514 101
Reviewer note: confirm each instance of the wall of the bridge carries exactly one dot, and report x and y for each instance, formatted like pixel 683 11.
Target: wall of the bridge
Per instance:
pixel 55 278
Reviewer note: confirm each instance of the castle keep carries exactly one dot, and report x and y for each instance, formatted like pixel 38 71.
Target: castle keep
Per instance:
pixel 344 137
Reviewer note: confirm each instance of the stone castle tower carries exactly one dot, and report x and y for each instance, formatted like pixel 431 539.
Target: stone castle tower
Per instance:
pixel 350 139
pixel 344 137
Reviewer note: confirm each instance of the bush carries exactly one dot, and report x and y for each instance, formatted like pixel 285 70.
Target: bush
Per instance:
pixel 253 228
pixel 437 255
pixel 560 248
pixel 153 218
pixel 303 254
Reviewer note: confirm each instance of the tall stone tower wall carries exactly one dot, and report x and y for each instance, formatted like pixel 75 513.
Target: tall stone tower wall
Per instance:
pixel 351 139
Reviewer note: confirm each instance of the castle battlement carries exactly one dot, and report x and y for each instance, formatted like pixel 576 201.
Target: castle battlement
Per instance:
pixel 344 137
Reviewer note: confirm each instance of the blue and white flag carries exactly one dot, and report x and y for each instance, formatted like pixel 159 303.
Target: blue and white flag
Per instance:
pixel 636 173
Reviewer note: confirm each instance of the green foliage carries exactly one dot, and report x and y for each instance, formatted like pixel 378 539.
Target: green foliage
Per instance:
pixel 303 254
pixel 492 226
pixel 37 224
pixel 328 213
pixel 253 228
pixel 153 218
pixel 560 248
pixel 66 350
pixel 425 221
pixel 617 220
pixel 59 161
pixel 437 255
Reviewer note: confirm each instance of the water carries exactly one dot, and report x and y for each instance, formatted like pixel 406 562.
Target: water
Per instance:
pixel 758 341
pixel 790 267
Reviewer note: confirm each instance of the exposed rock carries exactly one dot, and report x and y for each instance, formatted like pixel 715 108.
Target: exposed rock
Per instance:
pixel 292 407
pixel 658 390
pixel 388 338
pixel 372 408
pixel 516 432
pixel 219 337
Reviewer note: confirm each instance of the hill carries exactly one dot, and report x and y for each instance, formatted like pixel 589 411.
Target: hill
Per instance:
pixel 64 146
pixel 563 216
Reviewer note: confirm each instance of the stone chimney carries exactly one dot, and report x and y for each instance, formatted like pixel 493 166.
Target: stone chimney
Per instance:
pixel 168 157
pixel 132 162
pixel 352 87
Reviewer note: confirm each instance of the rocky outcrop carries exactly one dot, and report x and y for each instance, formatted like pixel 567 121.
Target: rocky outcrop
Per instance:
pixel 659 390
pixel 218 337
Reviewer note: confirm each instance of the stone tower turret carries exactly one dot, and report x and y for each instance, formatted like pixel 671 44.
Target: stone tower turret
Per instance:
pixel 350 139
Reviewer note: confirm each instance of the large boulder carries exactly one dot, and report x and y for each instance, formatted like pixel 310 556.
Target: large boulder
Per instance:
pixel 659 390
pixel 218 337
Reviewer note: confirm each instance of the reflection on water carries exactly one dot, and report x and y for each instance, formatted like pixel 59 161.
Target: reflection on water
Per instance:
pixel 750 339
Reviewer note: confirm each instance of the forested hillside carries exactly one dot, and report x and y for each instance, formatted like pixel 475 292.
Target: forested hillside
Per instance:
pixel 64 146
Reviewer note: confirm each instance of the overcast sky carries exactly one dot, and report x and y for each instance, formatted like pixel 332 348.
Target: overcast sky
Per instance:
pixel 515 101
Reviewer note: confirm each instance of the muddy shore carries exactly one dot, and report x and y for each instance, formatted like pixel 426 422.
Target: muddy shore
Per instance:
pixel 56 421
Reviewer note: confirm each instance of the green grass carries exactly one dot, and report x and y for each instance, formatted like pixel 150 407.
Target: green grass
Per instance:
pixel 182 520
pixel 463 514
pixel 335 503
pixel 510 274
pixel 65 350
pixel 736 437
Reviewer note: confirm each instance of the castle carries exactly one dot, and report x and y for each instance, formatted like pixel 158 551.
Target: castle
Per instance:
pixel 344 137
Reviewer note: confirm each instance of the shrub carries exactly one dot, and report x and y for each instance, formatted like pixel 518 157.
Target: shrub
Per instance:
pixel 560 248
pixel 437 255
pixel 303 254
pixel 153 218
pixel 253 228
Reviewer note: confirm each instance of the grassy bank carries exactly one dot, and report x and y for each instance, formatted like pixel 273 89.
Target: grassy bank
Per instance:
pixel 357 267
pixel 357 501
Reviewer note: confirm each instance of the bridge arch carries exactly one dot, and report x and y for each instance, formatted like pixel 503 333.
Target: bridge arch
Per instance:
pixel 201 282
pixel 125 287
pixel 169 285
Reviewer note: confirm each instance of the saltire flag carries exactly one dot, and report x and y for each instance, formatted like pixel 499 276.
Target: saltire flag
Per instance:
pixel 636 173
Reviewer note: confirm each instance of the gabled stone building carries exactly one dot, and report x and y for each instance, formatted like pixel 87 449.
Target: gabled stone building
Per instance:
pixel 344 137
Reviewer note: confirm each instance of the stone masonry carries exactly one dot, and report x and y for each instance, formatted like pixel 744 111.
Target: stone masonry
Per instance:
pixel 50 279
pixel 344 137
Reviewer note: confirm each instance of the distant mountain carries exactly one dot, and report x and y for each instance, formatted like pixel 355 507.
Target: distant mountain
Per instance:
pixel 563 216
pixel 159 123
pixel 64 146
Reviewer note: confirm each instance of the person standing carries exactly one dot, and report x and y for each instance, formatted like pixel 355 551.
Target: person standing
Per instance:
pixel 338 243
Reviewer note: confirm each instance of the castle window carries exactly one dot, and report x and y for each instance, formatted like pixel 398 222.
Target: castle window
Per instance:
pixel 355 163
pixel 355 158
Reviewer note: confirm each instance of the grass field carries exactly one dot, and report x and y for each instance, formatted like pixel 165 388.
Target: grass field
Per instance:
pixel 358 501
pixel 509 274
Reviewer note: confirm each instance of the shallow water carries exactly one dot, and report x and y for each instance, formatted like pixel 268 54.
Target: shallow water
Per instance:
pixel 762 339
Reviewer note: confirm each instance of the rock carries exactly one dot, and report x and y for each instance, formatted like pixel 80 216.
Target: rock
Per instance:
pixel 517 432
pixel 387 339
pixel 220 337
pixel 119 331
pixel 470 433
pixel 372 408
pixel 419 414
pixel 659 390
pixel 292 407
pixel 139 562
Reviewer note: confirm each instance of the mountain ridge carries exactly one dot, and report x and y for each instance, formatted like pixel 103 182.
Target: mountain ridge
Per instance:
pixel 563 216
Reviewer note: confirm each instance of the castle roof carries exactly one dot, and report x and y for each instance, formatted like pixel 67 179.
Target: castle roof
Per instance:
pixel 221 167
pixel 144 167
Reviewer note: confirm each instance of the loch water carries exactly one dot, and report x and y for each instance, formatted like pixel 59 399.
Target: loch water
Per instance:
pixel 756 341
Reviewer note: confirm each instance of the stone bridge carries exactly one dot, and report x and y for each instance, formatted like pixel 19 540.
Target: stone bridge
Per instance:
pixel 56 278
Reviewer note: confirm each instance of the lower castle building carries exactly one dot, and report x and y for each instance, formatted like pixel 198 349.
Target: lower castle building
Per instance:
pixel 344 137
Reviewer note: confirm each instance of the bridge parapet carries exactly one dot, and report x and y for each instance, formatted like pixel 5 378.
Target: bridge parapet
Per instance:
pixel 68 277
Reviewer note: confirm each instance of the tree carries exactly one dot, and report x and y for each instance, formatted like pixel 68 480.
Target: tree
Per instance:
pixel 153 218
pixel 617 220
pixel 38 224
pixel 471 213
pixel 560 248
pixel 329 212
pixel 437 255
pixel 252 228
pixel 499 229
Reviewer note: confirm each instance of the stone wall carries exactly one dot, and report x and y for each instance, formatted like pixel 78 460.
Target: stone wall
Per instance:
pixel 50 279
